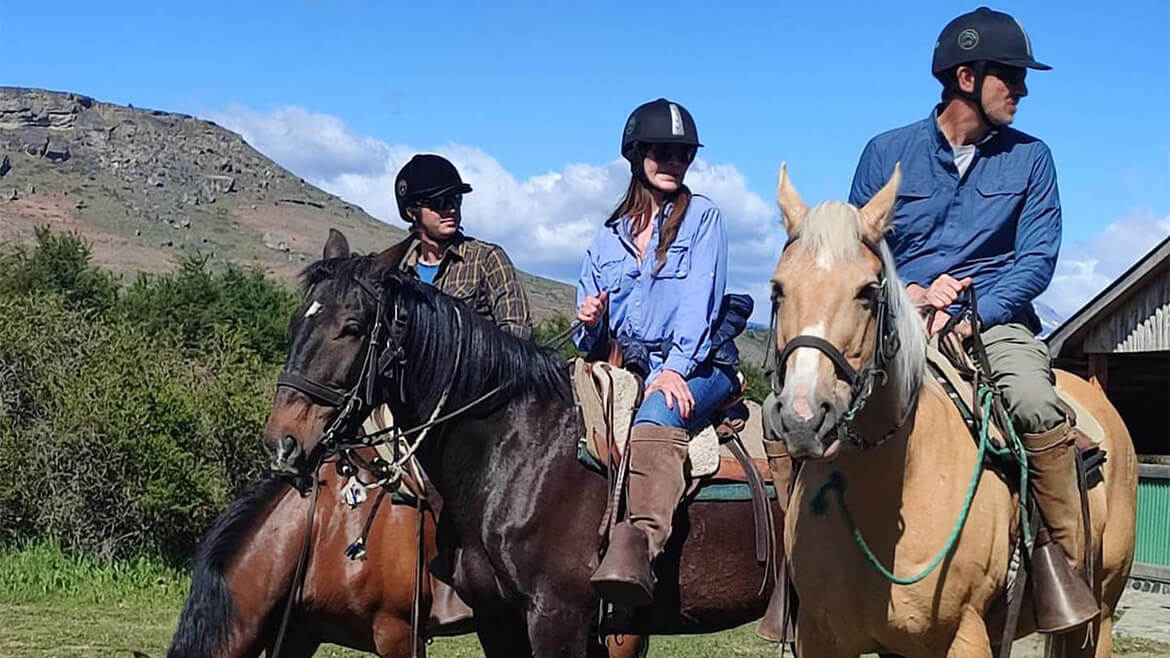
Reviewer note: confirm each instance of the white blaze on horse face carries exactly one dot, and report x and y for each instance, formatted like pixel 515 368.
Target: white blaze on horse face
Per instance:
pixel 313 309
pixel 802 378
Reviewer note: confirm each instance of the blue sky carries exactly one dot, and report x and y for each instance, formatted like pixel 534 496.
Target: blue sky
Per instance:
pixel 531 97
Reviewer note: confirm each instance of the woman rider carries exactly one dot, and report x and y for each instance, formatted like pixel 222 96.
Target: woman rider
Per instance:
pixel 655 273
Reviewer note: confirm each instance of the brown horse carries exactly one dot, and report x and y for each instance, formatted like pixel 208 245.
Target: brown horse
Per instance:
pixel 522 509
pixel 835 283
pixel 245 566
pixel 246 562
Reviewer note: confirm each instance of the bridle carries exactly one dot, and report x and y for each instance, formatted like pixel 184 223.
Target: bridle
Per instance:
pixel 861 382
pixel 383 354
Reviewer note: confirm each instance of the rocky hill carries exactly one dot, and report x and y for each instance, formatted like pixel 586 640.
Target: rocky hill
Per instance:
pixel 147 187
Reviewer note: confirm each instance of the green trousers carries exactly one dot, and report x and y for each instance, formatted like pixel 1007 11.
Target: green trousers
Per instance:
pixel 1022 370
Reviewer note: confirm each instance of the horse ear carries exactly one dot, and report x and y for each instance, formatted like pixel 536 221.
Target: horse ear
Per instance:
pixel 791 206
pixel 875 216
pixel 336 246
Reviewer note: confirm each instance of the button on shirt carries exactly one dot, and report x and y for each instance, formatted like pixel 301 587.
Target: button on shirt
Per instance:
pixel 679 303
pixel 999 224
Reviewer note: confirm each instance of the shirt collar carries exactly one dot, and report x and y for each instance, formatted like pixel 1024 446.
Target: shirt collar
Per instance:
pixel 456 249
pixel 940 140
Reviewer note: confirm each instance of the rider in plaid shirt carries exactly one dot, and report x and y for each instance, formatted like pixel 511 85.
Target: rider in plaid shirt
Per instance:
pixel 430 193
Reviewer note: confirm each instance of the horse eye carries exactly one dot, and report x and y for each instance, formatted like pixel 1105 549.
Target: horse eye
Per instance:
pixel 867 295
pixel 351 329
pixel 777 292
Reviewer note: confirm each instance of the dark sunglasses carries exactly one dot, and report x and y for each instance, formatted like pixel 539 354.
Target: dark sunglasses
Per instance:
pixel 442 204
pixel 671 153
pixel 1011 75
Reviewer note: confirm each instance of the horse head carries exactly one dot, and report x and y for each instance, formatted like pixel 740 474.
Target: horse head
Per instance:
pixel 336 338
pixel 840 314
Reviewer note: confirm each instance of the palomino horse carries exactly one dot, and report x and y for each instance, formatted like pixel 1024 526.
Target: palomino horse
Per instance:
pixel 245 566
pixel 835 290
pixel 523 509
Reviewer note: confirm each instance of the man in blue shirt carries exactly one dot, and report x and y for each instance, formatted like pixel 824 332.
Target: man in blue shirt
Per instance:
pixel 978 205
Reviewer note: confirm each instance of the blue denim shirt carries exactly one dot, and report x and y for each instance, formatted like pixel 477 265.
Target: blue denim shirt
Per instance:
pixel 999 224
pixel 679 305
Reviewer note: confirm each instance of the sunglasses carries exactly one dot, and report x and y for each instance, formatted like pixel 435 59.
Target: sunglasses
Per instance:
pixel 445 203
pixel 1011 75
pixel 671 153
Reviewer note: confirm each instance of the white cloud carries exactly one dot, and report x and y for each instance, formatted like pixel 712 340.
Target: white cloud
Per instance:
pixel 545 222
pixel 1087 267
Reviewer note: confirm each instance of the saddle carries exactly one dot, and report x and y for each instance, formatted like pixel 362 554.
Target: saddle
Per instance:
pixel 608 397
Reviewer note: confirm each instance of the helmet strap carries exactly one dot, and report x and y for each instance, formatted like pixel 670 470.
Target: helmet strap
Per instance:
pixel 979 68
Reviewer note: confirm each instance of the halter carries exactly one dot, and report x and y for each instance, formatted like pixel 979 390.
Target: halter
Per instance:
pixel 861 383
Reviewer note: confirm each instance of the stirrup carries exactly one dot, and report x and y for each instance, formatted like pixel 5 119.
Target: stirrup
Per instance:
pixel 1061 598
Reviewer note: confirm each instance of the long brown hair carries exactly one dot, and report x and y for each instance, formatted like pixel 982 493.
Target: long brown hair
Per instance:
pixel 636 205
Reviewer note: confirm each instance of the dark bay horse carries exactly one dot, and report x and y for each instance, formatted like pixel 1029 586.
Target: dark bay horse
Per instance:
pixel 524 512
pixel 245 566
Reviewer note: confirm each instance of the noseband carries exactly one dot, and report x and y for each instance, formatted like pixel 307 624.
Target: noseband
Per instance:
pixel 383 352
pixel 861 382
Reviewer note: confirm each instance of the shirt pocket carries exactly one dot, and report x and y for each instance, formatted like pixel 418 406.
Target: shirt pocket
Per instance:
pixel 611 273
pixel 1002 187
pixel 913 216
pixel 677 264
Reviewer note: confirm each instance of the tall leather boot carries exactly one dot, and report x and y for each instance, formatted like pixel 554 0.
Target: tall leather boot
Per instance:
pixel 1063 599
pixel 655 486
pixel 780 463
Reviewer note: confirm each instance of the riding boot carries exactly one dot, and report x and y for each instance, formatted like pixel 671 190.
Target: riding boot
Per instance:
pixel 655 486
pixel 780 463
pixel 1063 599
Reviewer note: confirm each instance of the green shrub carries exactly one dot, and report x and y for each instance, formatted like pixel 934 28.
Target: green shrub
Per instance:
pixel 115 440
pixel 194 303
pixel 59 263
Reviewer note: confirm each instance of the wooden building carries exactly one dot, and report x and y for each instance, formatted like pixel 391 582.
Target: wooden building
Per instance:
pixel 1120 341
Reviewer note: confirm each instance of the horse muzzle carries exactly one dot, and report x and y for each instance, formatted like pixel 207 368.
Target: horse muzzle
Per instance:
pixel 807 436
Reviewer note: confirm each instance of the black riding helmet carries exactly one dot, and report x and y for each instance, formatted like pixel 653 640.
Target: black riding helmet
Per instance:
pixel 657 122
pixel 975 39
pixel 424 177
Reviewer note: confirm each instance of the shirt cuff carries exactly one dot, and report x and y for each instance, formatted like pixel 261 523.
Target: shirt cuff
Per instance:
pixel 584 337
pixel 679 363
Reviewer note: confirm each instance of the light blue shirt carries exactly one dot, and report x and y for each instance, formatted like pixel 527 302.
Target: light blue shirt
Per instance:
pixel 679 304
pixel 427 272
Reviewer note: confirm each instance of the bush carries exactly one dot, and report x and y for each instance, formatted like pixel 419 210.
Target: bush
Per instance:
pixel 550 329
pixel 195 303
pixel 60 263
pixel 116 441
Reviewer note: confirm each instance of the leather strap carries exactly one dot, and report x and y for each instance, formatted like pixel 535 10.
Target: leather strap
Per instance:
pixel 759 499
pixel 327 395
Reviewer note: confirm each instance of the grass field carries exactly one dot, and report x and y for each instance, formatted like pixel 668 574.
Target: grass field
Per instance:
pixel 55 605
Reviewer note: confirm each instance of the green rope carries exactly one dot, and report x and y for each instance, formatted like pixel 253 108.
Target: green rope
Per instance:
pixel 836 484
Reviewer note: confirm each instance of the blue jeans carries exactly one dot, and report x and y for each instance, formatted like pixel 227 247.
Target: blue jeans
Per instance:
pixel 710 385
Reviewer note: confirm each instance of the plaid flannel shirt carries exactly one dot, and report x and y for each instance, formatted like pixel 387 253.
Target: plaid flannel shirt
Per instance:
pixel 481 275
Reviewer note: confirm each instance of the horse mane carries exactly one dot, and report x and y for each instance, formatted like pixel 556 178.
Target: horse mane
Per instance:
pixel 209 610
pixel 832 231
pixel 439 327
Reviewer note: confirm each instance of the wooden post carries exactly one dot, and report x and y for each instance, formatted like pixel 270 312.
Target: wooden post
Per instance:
pixel 1099 371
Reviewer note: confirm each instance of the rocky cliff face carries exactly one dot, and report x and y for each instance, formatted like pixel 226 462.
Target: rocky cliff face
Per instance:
pixel 132 173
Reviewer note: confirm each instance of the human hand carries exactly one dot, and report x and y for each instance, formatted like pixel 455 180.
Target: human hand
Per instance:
pixel 674 388
pixel 591 309
pixel 945 290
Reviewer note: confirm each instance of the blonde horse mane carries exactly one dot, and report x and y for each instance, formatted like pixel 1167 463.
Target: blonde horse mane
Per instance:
pixel 832 232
